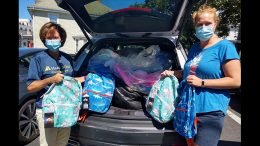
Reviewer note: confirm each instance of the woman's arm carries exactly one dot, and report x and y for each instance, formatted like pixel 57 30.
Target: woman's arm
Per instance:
pixel 80 79
pixel 176 73
pixel 232 79
pixel 37 85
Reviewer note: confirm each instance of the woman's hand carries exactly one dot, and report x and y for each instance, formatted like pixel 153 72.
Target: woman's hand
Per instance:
pixel 194 80
pixel 167 73
pixel 37 85
pixel 231 80
pixel 56 78
pixel 176 73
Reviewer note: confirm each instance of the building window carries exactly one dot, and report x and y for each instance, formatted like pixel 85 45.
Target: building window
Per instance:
pixel 28 43
pixel 53 18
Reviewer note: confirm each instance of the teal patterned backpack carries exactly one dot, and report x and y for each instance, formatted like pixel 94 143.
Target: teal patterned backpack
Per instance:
pixel 61 103
pixel 160 101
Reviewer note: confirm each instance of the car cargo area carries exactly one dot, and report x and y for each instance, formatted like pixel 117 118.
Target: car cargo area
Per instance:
pixel 127 122
pixel 135 63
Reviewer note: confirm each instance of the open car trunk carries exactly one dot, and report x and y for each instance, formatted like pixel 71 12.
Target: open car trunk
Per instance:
pixel 140 60
pixel 112 18
pixel 123 39
pixel 127 118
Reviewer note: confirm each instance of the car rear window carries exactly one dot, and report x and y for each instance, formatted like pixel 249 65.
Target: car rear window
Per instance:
pixel 108 16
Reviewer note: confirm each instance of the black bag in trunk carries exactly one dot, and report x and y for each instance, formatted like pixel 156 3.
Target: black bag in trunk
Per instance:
pixel 126 98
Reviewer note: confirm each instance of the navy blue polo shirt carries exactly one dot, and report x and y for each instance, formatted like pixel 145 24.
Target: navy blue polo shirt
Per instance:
pixel 43 65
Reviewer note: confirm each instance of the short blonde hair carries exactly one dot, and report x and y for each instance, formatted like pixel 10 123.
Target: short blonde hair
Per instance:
pixel 208 9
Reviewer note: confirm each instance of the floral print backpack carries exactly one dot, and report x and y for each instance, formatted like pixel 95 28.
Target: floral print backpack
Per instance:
pixel 160 101
pixel 61 103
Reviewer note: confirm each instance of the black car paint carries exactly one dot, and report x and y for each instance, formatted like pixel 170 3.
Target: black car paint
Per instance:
pixel 28 128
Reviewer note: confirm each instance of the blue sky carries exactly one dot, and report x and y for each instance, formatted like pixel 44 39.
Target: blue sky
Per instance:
pixel 117 4
pixel 23 12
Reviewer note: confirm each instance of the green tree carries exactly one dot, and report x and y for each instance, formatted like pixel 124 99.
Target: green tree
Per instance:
pixel 229 12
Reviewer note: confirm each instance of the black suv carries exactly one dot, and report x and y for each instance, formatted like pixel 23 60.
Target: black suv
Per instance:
pixel 28 126
pixel 126 27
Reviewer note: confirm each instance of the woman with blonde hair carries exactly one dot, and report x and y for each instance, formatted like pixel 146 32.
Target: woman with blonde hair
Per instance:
pixel 212 67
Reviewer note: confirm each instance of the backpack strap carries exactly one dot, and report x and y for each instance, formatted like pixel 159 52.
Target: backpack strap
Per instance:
pixel 49 90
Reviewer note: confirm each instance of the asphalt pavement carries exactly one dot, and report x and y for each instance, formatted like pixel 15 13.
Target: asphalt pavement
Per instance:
pixel 231 134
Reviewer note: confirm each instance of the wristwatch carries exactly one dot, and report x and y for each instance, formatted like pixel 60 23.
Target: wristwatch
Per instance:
pixel 202 83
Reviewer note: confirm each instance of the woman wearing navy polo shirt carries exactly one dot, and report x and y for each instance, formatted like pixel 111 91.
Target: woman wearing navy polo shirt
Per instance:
pixel 49 67
pixel 212 67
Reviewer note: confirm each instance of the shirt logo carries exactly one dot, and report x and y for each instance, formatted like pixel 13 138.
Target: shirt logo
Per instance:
pixel 47 68
pixel 194 64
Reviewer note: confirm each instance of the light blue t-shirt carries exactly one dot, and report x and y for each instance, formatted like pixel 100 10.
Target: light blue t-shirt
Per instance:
pixel 207 64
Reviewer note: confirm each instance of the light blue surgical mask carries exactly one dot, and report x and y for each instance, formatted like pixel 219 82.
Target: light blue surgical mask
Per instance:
pixel 204 32
pixel 53 44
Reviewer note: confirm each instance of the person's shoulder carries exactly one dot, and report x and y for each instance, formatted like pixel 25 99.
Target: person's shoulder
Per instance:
pixel 224 44
pixel 227 42
pixel 196 45
pixel 40 55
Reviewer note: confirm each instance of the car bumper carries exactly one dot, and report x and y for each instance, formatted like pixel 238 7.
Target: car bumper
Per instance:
pixel 110 132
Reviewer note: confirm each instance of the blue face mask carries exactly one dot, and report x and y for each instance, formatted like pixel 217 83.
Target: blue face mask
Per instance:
pixel 203 33
pixel 53 45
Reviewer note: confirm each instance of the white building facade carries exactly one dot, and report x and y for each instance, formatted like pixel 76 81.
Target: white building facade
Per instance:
pixel 25 33
pixel 44 11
